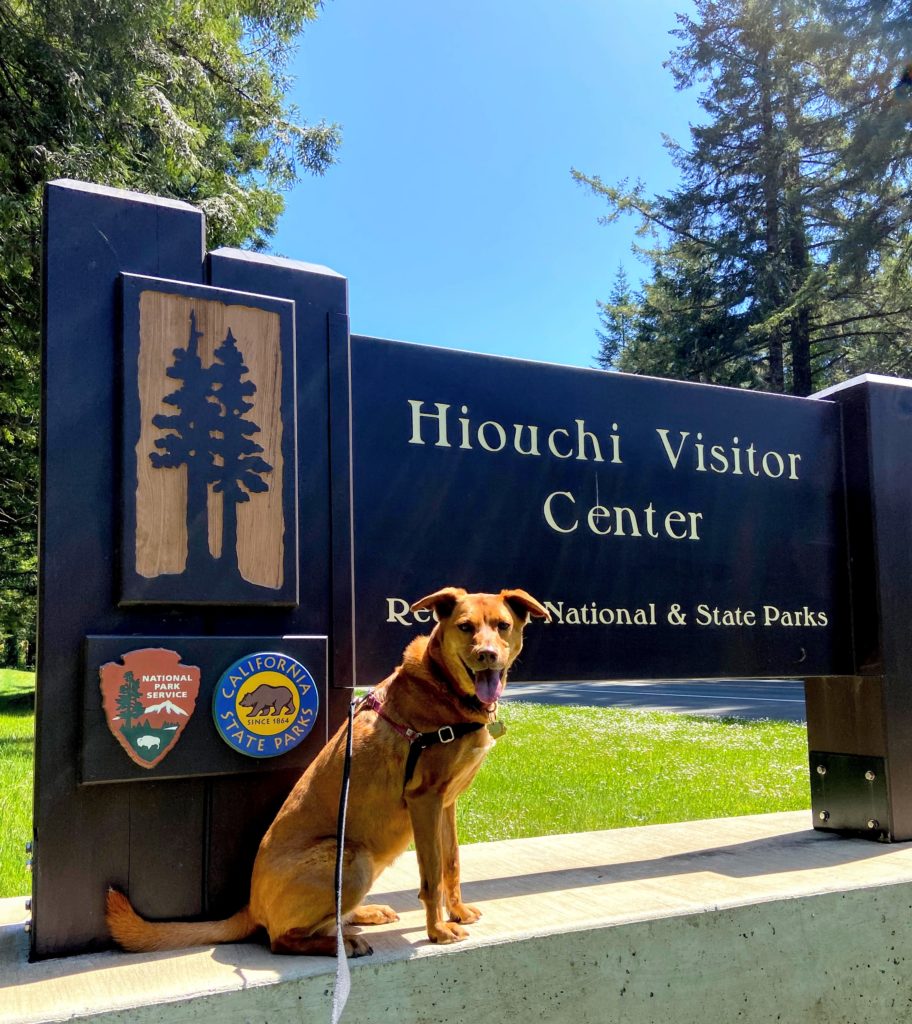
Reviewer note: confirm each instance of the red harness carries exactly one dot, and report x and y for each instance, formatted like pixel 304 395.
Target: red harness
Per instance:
pixel 419 741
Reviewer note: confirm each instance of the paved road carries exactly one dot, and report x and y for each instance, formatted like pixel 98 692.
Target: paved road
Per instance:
pixel 744 698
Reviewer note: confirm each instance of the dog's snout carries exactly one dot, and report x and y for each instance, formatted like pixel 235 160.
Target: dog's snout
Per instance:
pixel 486 655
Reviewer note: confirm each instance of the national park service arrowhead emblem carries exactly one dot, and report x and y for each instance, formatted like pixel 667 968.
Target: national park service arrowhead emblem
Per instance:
pixel 148 698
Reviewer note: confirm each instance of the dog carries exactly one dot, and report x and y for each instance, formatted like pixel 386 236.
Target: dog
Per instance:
pixel 418 740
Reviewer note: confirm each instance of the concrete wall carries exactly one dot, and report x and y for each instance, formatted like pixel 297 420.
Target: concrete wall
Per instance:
pixel 825 950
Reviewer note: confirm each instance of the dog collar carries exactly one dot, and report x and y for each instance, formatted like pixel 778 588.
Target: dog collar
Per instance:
pixel 370 702
pixel 419 741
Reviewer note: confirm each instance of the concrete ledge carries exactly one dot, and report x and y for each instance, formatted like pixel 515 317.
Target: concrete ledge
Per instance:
pixel 742 919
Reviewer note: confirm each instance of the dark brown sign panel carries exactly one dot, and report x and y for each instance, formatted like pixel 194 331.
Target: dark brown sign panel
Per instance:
pixel 226 480
pixel 198 710
pixel 187 506
pixel 672 529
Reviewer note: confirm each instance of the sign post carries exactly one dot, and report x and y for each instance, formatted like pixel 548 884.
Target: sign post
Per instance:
pixel 860 728
pixel 193 559
pixel 228 477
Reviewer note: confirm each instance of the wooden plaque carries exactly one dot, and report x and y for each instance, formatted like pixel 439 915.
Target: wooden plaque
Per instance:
pixel 208 446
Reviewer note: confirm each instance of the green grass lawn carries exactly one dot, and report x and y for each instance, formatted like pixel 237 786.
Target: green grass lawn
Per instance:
pixel 574 769
pixel 16 740
pixel 557 769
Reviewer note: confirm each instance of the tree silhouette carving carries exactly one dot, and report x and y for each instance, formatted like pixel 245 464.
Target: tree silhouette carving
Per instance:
pixel 189 441
pixel 239 469
pixel 211 435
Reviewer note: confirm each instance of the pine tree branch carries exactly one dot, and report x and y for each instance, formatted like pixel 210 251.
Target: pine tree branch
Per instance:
pixel 850 337
pixel 861 316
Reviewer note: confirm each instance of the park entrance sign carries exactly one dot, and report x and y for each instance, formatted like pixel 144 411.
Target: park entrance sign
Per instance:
pixel 672 529
pixel 240 502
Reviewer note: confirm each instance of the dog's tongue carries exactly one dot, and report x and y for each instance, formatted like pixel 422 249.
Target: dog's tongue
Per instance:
pixel 488 685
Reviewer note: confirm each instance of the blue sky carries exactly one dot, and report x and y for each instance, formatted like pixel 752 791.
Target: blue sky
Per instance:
pixel 451 209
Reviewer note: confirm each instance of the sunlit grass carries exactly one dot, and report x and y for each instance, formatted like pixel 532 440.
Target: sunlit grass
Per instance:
pixel 575 769
pixel 557 770
pixel 16 744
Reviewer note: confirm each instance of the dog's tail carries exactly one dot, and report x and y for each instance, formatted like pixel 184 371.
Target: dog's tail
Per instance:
pixel 136 935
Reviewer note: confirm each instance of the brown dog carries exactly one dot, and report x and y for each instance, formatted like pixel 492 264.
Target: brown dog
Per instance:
pixel 447 688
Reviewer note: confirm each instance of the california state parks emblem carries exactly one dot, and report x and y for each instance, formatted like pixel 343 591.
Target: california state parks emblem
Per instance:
pixel 148 697
pixel 265 704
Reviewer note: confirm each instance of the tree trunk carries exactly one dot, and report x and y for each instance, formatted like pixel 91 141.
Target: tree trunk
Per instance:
pixel 802 381
pixel 799 267
pixel 776 371
pixel 197 519
pixel 770 289
pixel 229 557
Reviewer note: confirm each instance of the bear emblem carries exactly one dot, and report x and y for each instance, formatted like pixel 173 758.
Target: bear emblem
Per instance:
pixel 266 700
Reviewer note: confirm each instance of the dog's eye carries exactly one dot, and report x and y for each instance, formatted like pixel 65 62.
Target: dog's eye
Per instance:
pixel 465 627
pixel 503 626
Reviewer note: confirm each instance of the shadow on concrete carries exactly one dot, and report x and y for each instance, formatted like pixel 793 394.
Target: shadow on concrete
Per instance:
pixel 803 851
pixel 792 852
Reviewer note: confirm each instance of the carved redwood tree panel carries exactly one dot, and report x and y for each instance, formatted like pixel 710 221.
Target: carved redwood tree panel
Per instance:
pixel 209 464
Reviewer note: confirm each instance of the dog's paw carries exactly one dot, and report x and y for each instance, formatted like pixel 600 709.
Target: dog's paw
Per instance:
pixel 446 931
pixel 373 913
pixel 464 913
pixel 356 946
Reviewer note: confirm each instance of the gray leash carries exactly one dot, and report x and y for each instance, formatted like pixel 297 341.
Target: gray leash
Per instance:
pixel 342 985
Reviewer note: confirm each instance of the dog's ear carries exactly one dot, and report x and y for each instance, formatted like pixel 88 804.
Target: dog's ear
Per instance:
pixel 443 601
pixel 524 605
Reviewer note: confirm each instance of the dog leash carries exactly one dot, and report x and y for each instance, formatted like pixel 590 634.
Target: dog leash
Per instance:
pixel 342 985
pixel 418 741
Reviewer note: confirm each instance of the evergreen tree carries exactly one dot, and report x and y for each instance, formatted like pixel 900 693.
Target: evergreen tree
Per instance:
pixel 878 106
pixel 182 98
pixel 685 329
pixel 767 269
pixel 617 317
pixel 129 706
pixel 239 469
